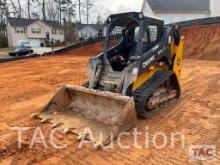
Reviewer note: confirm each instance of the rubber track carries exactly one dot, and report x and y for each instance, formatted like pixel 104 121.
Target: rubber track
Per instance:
pixel 142 94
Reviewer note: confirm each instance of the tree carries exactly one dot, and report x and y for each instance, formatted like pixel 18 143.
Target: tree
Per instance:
pixel 88 5
pixel 99 19
pixel 63 7
pixel 79 4
pixel 52 10
pixel 16 11
pixel 28 7
pixel 4 12
pixel 35 15
pixel 30 12
pixel 19 8
pixel 44 10
pixel 80 16
pixel 29 3
pixel 60 12
pixel 67 8
pixel 70 12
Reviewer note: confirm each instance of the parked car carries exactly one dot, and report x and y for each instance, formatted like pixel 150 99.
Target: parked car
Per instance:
pixel 21 51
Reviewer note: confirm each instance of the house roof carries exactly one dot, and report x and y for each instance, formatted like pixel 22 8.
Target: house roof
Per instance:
pixel 20 22
pixel 78 26
pixel 23 22
pixel 98 27
pixel 179 5
pixel 54 24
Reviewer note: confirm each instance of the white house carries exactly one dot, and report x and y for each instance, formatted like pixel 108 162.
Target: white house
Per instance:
pixel 87 31
pixel 33 32
pixel 172 11
pixel 214 6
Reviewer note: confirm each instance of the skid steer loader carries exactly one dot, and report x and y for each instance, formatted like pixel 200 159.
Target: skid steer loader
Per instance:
pixel 137 75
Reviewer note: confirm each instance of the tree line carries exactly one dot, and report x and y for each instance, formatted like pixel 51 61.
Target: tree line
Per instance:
pixel 53 10
pixel 67 12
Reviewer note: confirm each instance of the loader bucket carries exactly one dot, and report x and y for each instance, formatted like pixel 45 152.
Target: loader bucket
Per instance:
pixel 88 112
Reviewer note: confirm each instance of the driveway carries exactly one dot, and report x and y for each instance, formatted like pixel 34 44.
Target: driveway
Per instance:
pixel 4 53
pixel 43 50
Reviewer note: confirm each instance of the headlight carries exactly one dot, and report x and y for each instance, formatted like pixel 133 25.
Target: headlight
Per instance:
pixel 169 40
pixel 135 72
pixel 109 19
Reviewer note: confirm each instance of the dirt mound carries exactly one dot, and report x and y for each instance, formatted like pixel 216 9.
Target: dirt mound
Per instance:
pixel 202 42
pixel 87 50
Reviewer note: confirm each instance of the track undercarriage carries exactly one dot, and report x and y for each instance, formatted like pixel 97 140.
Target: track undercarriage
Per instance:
pixel 156 94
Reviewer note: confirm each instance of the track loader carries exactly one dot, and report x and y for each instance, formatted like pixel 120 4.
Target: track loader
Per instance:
pixel 137 75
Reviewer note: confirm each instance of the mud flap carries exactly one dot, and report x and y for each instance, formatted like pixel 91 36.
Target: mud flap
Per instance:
pixel 88 112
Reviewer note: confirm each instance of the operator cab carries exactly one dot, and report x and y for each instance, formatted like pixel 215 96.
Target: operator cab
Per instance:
pixel 122 42
pixel 129 35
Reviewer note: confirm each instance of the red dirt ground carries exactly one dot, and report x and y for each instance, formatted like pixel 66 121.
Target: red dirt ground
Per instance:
pixel 27 85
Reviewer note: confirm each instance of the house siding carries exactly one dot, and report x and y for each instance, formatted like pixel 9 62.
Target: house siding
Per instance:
pixel 177 17
pixel 9 35
pixel 57 36
pixel 88 32
pixel 13 37
pixel 35 40
pixel 172 17
pixel 37 25
pixel 215 11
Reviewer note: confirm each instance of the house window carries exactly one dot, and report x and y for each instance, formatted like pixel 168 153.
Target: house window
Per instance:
pixel 33 31
pixel 54 31
pixel 57 41
pixel 36 30
pixel 61 32
pixel 166 19
pixel 20 30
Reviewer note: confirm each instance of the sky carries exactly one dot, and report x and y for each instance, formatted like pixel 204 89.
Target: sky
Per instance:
pixel 107 7
pixel 121 5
